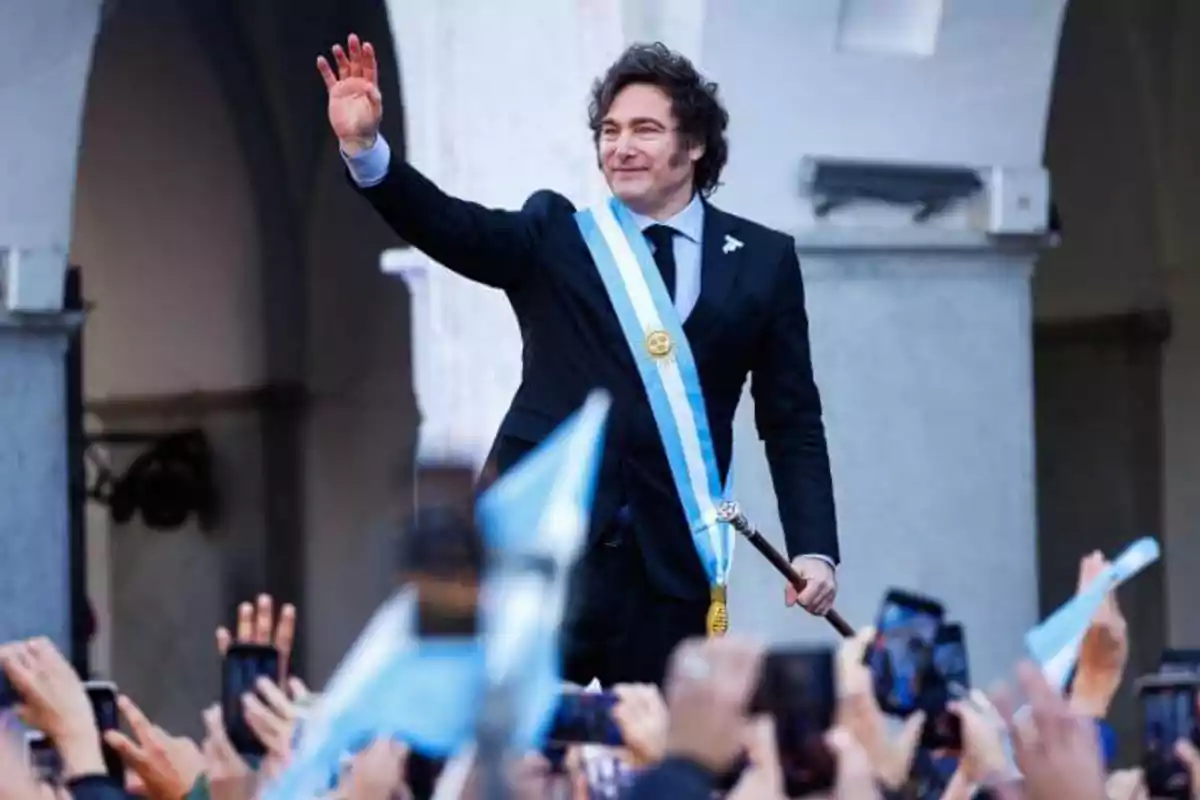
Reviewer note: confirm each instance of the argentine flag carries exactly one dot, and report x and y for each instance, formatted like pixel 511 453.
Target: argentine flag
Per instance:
pixel 427 692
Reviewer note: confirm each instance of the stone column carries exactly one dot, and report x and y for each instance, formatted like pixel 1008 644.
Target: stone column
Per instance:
pixel 46 52
pixel 35 594
pixel 923 354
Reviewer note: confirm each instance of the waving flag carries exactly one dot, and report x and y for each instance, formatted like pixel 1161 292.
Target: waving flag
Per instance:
pixel 427 692
pixel 339 721
pixel 535 520
pixel 1055 643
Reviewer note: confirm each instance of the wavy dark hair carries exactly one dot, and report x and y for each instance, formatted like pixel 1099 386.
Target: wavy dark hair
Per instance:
pixel 701 117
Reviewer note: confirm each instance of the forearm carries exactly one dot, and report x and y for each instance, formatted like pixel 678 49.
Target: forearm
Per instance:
pixel 491 246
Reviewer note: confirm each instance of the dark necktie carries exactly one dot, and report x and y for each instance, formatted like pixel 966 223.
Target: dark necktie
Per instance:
pixel 663 239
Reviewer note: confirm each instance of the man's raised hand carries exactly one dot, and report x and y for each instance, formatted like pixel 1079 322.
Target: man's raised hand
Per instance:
pixel 355 104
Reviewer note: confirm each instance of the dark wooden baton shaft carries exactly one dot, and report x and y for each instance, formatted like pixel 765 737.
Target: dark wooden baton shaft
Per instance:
pixel 743 526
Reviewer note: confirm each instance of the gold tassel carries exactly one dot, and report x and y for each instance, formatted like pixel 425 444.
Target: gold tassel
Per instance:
pixel 718 614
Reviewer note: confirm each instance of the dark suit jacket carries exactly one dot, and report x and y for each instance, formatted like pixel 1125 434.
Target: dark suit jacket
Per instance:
pixel 749 320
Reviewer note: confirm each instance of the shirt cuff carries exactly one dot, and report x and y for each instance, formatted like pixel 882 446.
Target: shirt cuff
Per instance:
pixel 369 167
pixel 819 557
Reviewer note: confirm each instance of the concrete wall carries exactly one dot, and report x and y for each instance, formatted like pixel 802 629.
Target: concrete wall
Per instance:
pixel 1121 145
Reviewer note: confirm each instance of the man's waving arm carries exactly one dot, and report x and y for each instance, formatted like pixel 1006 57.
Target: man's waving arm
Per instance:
pixel 491 246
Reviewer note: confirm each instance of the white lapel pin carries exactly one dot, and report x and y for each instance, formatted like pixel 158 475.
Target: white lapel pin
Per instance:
pixel 731 244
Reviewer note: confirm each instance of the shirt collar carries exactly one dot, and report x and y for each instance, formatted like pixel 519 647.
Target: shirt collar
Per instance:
pixel 689 222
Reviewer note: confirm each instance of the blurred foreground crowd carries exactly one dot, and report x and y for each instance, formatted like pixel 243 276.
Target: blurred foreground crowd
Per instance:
pixel 734 721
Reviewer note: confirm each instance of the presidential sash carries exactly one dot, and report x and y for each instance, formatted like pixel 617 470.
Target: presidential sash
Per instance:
pixel 654 333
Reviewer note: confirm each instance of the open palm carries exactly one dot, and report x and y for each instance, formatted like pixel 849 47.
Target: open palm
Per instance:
pixel 355 104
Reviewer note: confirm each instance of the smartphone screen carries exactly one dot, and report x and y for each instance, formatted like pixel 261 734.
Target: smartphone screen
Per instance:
pixel 43 758
pixel 796 687
pixel 948 679
pixel 244 664
pixel 1168 715
pixel 901 654
pixel 103 696
pixel 585 718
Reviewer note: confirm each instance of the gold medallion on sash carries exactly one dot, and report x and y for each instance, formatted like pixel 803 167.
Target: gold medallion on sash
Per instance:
pixel 718 614
pixel 658 344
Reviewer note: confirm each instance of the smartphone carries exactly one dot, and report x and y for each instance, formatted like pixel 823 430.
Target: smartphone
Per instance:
pixel 948 679
pixel 244 664
pixel 43 758
pixel 1176 661
pixel 1168 715
pixel 901 654
pixel 585 718
pixel 796 687
pixel 103 696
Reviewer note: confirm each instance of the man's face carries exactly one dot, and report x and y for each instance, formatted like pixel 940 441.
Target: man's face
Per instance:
pixel 640 151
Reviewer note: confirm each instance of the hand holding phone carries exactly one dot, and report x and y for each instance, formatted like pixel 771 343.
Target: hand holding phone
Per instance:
pixel 796 688
pixel 1169 714
pixel 585 718
pixel 244 664
pixel 42 758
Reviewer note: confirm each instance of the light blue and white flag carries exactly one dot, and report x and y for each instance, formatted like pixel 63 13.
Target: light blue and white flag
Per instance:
pixel 427 692
pixel 654 334
pixel 341 720
pixel 1055 643
pixel 535 521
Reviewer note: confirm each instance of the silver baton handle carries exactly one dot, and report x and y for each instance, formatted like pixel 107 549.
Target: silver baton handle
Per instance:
pixel 729 512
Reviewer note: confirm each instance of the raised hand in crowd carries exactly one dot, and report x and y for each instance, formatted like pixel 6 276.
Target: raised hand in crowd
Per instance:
pixel 160 766
pixel 855 773
pixel 1105 649
pixel 54 701
pixel 642 717
pixel 763 777
pixel 858 712
pixel 378 773
pixel 1055 748
pixel 982 761
pixel 709 685
pixel 17 782
pixel 273 716
pixel 257 624
pixel 229 777
pixel 1126 784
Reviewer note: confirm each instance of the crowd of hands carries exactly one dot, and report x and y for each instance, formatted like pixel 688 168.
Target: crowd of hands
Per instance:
pixel 701 719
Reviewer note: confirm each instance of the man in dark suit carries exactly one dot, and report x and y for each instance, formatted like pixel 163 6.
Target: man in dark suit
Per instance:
pixel 659 131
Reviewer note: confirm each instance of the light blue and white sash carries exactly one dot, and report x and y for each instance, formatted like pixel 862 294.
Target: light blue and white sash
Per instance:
pixel 654 333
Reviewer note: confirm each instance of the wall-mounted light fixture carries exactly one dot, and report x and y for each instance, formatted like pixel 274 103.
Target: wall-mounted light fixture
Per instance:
pixel 166 484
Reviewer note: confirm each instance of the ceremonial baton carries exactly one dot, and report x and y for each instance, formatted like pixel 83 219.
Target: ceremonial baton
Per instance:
pixel 729 512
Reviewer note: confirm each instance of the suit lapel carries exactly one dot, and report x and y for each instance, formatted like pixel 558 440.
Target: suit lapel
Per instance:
pixel 719 269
